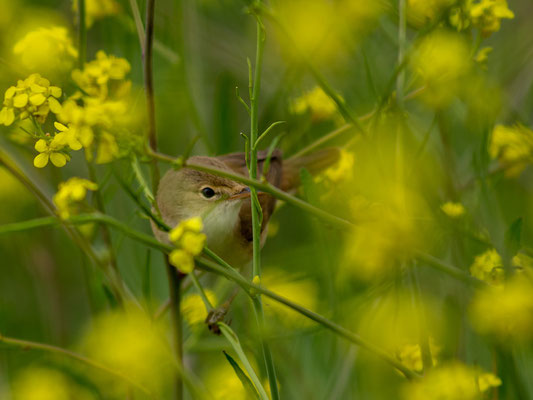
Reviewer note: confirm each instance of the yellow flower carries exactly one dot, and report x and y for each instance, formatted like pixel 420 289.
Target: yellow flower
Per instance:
pixel 486 15
pixel 453 210
pixel 107 148
pixel 410 355
pixel 104 77
pixel 453 381
pixel 505 312
pixel 441 59
pixel 33 96
pixel 193 243
pixel 130 343
pixel 188 236
pixel 513 147
pixel 421 12
pixel 182 260
pixel 341 171
pixel 51 150
pixel 97 9
pixel 68 136
pixel 488 267
pixel 41 383
pixel 70 194
pixel 317 102
pixel 193 307
pixel 47 50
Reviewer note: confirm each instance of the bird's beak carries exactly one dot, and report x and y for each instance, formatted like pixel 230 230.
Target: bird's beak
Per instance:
pixel 243 194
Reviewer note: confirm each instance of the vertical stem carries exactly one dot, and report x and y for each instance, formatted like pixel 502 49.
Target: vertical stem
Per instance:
pixel 82 34
pixel 400 79
pixel 174 277
pixel 256 206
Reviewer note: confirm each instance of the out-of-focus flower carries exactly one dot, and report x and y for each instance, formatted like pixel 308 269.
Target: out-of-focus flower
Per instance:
pixel 452 381
pixel 410 355
pixel 486 15
pixel 32 96
pixel 128 342
pixel 317 103
pixel 107 150
pixel 97 9
pixel 513 147
pixel 104 77
pixel 232 387
pixel 453 210
pixel 482 56
pixel 52 150
pixel 41 383
pixel 193 307
pixel 301 291
pixel 505 312
pixel 47 50
pixel 71 194
pixel 342 170
pixel 441 59
pixel 421 12
pixel 190 240
pixel 522 262
pixel 488 267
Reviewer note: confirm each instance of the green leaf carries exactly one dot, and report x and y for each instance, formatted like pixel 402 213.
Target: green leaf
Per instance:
pixel 246 382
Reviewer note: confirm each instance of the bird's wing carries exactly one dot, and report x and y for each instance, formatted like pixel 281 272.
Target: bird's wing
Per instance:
pixel 237 162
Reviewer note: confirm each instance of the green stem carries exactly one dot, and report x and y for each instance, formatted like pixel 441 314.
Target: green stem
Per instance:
pixel 24 344
pixel 82 35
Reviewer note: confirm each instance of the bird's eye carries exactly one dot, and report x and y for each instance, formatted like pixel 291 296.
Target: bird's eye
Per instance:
pixel 207 192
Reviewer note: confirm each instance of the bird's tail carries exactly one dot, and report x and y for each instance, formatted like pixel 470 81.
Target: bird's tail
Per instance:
pixel 314 163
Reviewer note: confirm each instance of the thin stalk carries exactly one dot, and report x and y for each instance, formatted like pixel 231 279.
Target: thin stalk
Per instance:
pixel 25 344
pixel 257 214
pixel 174 278
pixel 82 34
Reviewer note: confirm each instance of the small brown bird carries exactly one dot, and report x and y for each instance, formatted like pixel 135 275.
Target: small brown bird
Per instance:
pixel 225 205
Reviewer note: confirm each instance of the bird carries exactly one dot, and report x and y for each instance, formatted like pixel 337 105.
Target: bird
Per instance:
pixel 225 205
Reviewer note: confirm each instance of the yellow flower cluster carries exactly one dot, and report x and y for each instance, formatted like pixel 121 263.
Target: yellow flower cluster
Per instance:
pixel 131 344
pixel 506 311
pixel 189 238
pixel 97 9
pixel 410 355
pixel 33 96
pixel 513 147
pixel 48 50
pixel 453 210
pixel 193 307
pixel 454 381
pixel 70 194
pixel 488 267
pixel 317 103
pixel 105 74
pixel 486 15
pixel 42 383
pixel 441 59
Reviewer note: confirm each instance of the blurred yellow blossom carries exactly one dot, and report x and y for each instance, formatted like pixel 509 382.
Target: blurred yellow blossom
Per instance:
pixel 453 210
pixel 486 15
pixel 232 387
pixel 128 342
pixel 107 149
pixel 97 9
pixel 193 307
pixel 190 240
pixel 506 311
pixel 522 262
pixel 317 102
pixel 410 355
pixel 421 12
pixel 104 77
pixel 42 383
pixel 33 96
pixel 47 50
pixel 301 291
pixel 513 147
pixel 441 59
pixel 452 381
pixel 488 267
pixel 342 170
pixel 70 194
